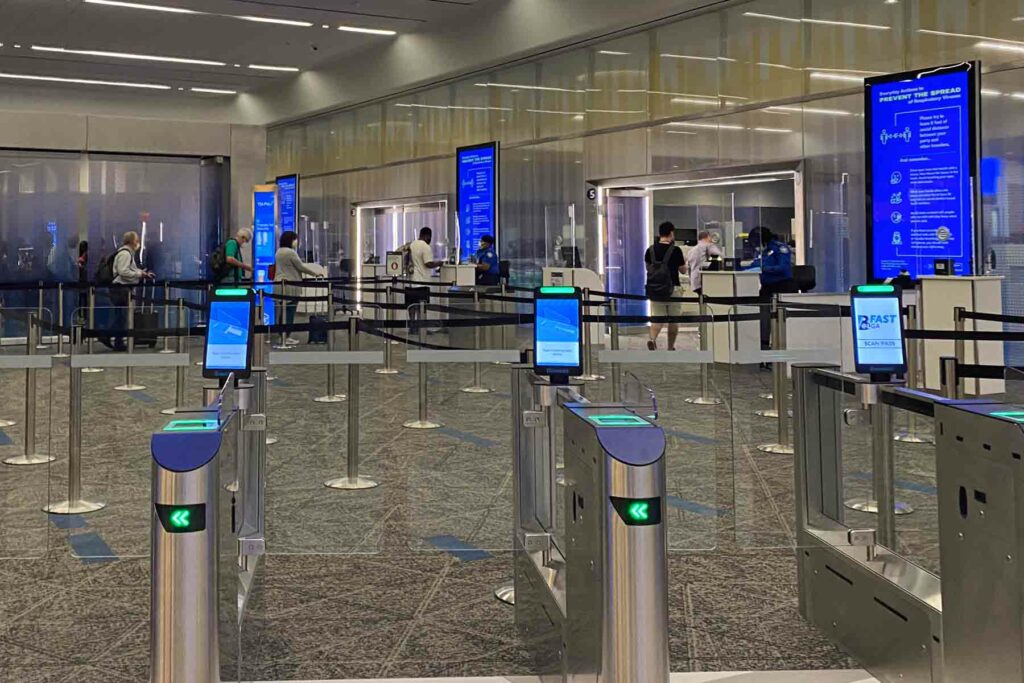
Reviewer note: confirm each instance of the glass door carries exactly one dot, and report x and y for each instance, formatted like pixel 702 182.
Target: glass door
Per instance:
pixel 629 233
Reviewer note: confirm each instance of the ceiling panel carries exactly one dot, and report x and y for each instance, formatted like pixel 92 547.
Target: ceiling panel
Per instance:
pixel 215 35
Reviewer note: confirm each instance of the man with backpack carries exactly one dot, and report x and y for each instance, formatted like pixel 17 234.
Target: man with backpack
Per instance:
pixel 120 268
pixel 664 262
pixel 227 263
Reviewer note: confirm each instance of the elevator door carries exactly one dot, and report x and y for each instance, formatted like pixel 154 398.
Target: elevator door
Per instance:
pixel 629 235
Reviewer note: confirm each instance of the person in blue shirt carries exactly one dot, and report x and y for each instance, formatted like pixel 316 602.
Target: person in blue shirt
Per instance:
pixel 488 272
pixel 775 259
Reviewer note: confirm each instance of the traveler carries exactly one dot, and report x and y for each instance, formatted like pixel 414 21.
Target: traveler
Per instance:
pixel 227 262
pixel 775 259
pixel 697 257
pixel 126 272
pixel 423 264
pixel 664 261
pixel 83 278
pixel 289 267
pixel 488 271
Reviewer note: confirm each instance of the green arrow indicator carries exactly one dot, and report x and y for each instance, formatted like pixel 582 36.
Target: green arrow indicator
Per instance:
pixel 639 511
pixel 180 518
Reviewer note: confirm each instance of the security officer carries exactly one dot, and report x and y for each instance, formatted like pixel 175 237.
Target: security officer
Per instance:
pixel 488 272
pixel 775 259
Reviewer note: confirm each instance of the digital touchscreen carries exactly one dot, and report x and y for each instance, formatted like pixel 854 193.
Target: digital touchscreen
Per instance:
pixel 229 338
pixel 878 333
pixel 557 335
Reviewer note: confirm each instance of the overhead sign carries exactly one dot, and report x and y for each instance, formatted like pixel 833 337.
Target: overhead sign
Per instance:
pixel 921 134
pixel 288 200
pixel 477 195
pixel 264 241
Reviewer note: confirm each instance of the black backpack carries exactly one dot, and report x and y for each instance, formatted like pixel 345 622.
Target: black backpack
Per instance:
pixel 105 272
pixel 219 266
pixel 659 279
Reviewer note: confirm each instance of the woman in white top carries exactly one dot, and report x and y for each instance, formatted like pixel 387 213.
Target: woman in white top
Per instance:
pixel 290 268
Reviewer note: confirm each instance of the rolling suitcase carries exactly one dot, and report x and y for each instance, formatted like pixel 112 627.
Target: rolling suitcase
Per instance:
pixel 317 336
pixel 146 319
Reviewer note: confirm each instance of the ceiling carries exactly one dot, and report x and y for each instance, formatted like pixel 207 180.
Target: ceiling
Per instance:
pixel 211 31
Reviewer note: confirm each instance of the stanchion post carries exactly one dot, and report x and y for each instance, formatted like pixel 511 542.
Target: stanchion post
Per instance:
pixel 705 398
pixel 422 422
pixel 476 387
pixel 950 377
pixel 912 435
pixel 179 372
pixel 959 347
pixel 613 326
pixel 783 445
pixel 60 322
pixel 884 473
pixel 74 505
pixel 167 318
pixel 259 360
pixel 29 455
pixel 352 481
pixel 389 315
pixel 331 396
pixel 39 314
pixel 91 317
pixel 588 374
pixel 129 371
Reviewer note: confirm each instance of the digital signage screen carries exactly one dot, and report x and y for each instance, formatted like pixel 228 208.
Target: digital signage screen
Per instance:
pixel 288 200
pixel 477 195
pixel 264 241
pixel 921 131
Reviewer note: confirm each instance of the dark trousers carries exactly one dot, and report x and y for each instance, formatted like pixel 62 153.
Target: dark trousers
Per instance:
pixel 768 292
pixel 413 297
pixel 119 317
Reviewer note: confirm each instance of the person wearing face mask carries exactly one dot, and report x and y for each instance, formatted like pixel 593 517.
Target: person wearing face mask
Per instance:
pixel 775 259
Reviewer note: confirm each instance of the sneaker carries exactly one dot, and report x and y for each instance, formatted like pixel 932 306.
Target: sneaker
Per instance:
pixel 651 346
pixel 291 342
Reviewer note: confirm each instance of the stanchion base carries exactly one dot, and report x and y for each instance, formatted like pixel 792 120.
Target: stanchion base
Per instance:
pixel 271 440
pixel 768 396
pixel 198 364
pixel 590 378
pixel 92 370
pixel 328 399
pixel 7 423
pixel 61 355
pixel 560 476
pixel 506 593
pixel 129 387
pixel 232 487
pixel 385 371
pixel 701 401
pixel 348 484
pixel 505 362
pixel 475 390
pixel 871 506
pixel 343 397
pixel 167 351
pixel 33 459
pixel 168 411
pixel 81 507
pixel 422 424
pixel 776 448
pixel 40 347
pixel 771 413
pixel 910 437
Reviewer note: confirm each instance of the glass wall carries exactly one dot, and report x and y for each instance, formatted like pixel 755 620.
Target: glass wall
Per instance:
pixel 51 202
pixel 752 82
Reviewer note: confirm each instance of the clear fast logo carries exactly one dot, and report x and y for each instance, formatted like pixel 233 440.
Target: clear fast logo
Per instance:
pixel 874 322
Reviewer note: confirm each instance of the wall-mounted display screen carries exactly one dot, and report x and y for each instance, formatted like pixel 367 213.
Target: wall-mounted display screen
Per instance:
pixel 877 330
pixel 921 135
pixel 288 201
pixel 477 182
pixel 264 241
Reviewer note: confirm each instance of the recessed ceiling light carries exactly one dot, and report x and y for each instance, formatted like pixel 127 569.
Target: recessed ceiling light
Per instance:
pixel 272 20
pixel 83 81
pixel 762 129
pixel 128 55
pixel 138 5
pixel 1005 47
pixel 612 52
pixel 846 78
pixel 267 67
pixel 215 91
pixel 373 31
pixel 810 110
pixel 826 22
pixel 515 87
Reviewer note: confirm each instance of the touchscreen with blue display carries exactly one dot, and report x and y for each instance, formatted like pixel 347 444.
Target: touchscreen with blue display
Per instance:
pixel 878 334
pixel 557 337
pixel 922 166
pixel 228 338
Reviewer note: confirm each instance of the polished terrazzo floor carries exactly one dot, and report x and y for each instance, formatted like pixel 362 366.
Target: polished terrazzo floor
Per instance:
pixel 396 581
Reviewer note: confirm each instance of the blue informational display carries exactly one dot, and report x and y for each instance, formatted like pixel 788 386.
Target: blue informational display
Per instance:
pixel 922 170
pixel 264 242
pixel 227 336
pixel 477 196
pixel 288 200
pixel 877 334
pixel 557 333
